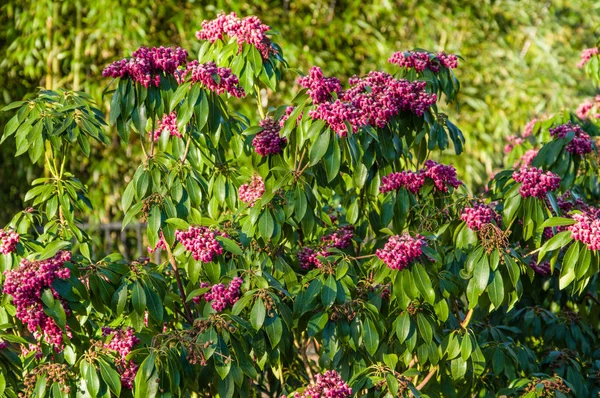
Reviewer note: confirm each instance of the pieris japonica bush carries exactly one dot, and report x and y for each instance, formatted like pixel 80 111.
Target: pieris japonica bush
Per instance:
pixel 311 249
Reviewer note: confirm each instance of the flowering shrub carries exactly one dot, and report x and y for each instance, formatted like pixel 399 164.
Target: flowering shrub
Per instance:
pixel 347 252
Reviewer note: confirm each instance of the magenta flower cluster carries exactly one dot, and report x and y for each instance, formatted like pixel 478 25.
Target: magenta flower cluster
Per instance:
pixel 421 60
pixel 201 242
pixel 245 30
pixel 122 342
pixel 320 88
pixel 581 143
pixel 268 140
pixel 250 193
pixel 401 250
pixel 371 100
pixel 214 78
pixel 146 65
pixel 169 123
pixel 584 110
pixel 8 241
pixel 161 244
pixel 327 385
pixel 535 182
pixel 412 181
pixel 587 229
pixel 26 285
pixel 340 239
pixel 586 55
pixel 221 296
pixel 542 268
pixel 528 129
pixel 287 114
pixel 528 157
pixel 441 175
pixel 480 214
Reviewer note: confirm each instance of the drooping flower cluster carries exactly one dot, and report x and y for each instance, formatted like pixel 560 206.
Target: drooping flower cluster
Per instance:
pixel 245 30
pixel 421 60
pixel 412 181
pixel 8 241
pixel 320 88
pixel 169 123
pixel 122 342
pixel 587 229
pixel 250 193
pixel 528 129
pixel 201 242
pixel 586 55
pixel 214 78
pixel 401 250
pixel 512 142
pixel 307 257
pixel 327 385
pixel 268 140
pixel 371 100
pixel 146 65
pixel 584 110
pixel 535 182
pixel 441 175
pixel 340 239
pixel 161 244
pixel 477 216
pixel 581 143
pixel 221 296
pixel 26 285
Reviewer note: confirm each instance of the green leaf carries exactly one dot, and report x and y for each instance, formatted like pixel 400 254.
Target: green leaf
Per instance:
pixel 274 329
pixel 155 305
pixel 138 298
pixel 332 160
pixel 496 290
pixel 319 147
pixel 466 347
pixel 142 184
pixel 110 377
pixel 329 291
pixel 423 283
pixel 481 274
pixel 230 245
pixel 370 336
pixel 557 241
pixel 425 329
pixel 258 313
pixel 556 221
pixel 92 380
pixel 127 196
pixel 317 323
pixel 403 327
pixel 266 225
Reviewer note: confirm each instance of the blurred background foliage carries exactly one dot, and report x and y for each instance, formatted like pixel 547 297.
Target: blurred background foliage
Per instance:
pixel 519 62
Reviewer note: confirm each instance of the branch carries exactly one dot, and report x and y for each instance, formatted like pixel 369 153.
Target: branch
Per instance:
pixel 427 378
pixel 188 312
pixel 467 319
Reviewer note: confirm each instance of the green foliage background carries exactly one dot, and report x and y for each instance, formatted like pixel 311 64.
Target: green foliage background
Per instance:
pixel 519 61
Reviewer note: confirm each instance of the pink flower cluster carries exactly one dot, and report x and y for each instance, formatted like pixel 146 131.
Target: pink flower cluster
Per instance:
pixel 329 384
pixel 421 60
pixel 340 239
pixel 147 64
pixel 26 285
pixel 214 78
pixel 122 343
pixel 372 100
pixel 585 109
pixel 162 244
pixel 412 181
pixel 528 129
pixel 401 250
pixel 288 113
pixel 319 87
pixel 169 123
pixel 586 55
pixel 581 143
pixel 512 142
pixel 8 241
pixel 268 140
pixel 220 296
pixel 441 175
pixel 535 182
pixel 201 242
pixel 528 157
pixel 477 216
pixel 587 229
pixel 250 193
pixel 245 30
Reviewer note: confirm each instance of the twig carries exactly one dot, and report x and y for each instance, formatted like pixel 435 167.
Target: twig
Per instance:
pixel 188 313
pixel 427 378
pixel 467 319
